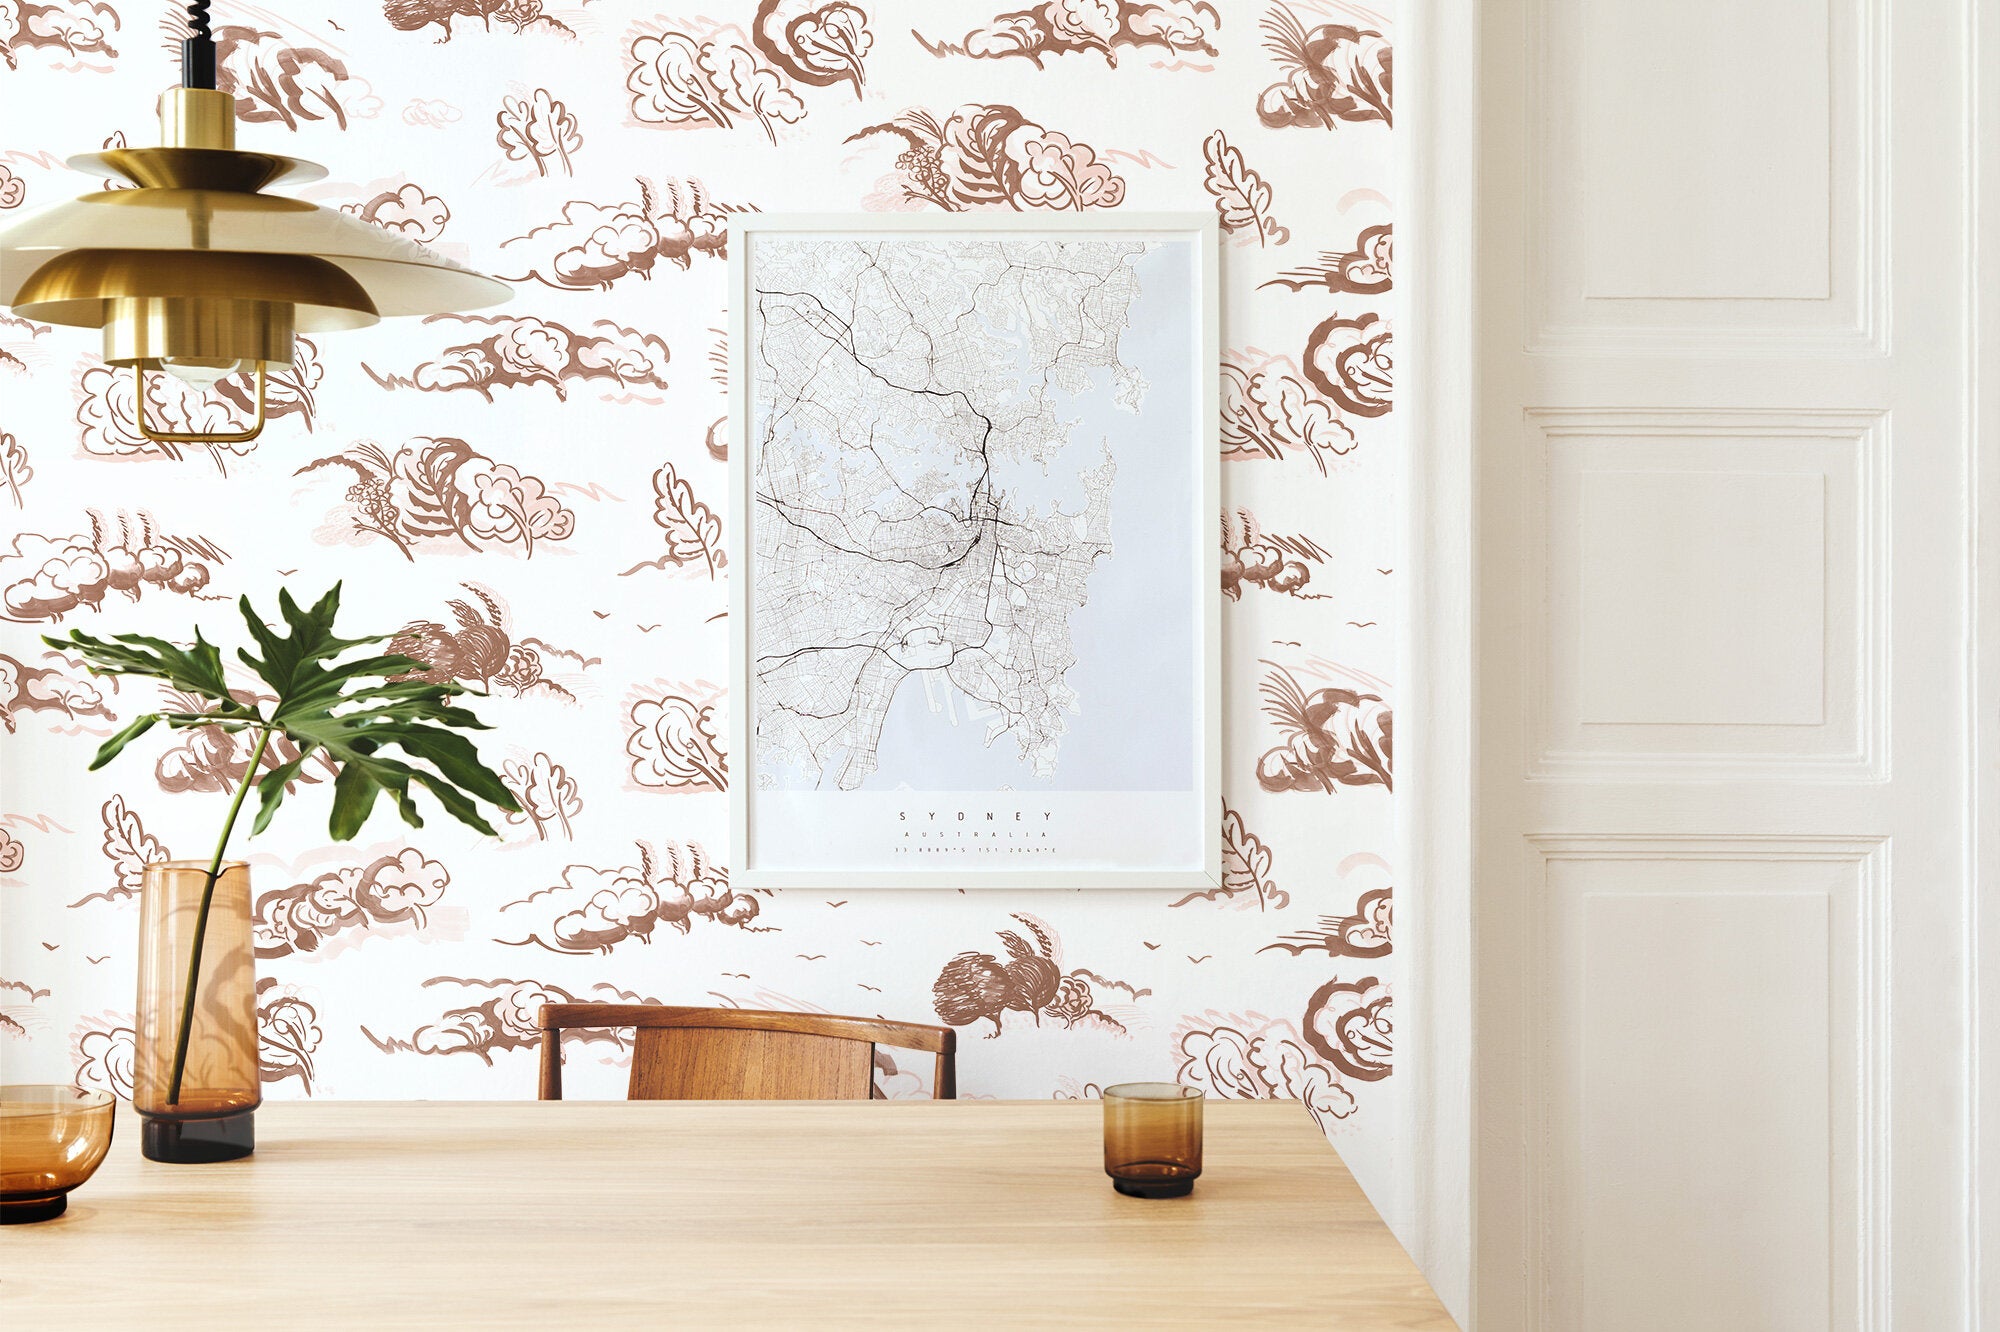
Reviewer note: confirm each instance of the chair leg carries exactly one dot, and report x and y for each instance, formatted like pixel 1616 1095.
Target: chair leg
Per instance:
pixel 551 1088
pixel 945 1081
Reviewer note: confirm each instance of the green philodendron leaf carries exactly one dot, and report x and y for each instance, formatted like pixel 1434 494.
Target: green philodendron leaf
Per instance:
pixel 344 714
pixel 271 788
pixel 195 670
pixel 110 748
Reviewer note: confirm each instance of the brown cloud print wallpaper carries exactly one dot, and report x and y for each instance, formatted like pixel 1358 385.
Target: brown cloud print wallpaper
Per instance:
pixel 532 500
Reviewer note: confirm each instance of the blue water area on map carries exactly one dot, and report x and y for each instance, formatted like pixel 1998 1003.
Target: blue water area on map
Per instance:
pixel 1134 728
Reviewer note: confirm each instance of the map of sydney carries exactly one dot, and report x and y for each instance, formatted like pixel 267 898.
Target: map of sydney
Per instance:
pixel 933 488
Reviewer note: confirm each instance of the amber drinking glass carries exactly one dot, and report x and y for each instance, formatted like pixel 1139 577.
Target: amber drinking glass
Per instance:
pixel 210 1117
pixel 1152 1138
pixel 51 1140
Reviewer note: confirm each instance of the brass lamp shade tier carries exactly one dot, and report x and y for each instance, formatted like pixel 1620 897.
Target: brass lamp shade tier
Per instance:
pixel 145 331
pixel 197 168
pixel 194 267
pixel 151 302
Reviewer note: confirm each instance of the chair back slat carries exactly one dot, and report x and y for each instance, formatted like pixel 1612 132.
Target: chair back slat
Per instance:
pixel 739 1054
pixel 703 1064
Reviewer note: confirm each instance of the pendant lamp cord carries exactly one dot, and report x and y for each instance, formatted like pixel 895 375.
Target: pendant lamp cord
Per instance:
pixel 198 50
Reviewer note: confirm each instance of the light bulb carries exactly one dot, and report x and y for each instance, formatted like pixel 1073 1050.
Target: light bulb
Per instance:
pixel 201 374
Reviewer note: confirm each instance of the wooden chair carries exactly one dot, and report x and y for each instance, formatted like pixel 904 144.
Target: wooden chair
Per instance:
pixel 746 1054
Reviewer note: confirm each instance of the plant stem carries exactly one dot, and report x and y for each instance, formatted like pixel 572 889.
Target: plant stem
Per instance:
pixel 201 919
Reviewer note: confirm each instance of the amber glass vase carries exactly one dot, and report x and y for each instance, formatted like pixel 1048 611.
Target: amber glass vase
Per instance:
pixel 208 1116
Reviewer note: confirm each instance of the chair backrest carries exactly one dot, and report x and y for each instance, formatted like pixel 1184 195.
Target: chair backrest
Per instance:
pixel 746 1054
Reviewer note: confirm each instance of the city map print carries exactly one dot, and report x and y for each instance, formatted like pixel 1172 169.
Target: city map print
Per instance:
pixel 973 479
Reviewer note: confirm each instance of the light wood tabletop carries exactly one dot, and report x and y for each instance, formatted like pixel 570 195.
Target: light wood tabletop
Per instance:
pixel 739 1214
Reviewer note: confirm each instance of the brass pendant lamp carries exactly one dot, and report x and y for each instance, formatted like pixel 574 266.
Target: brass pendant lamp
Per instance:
pixel 196 271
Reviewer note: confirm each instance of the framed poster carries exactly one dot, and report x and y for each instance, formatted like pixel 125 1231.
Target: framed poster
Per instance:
pixel 974 602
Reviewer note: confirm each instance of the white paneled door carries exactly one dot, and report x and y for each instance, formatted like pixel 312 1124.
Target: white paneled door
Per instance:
pixel 1724 444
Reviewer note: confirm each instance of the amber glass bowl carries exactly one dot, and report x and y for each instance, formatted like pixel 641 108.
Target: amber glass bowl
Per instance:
pixel 51 1140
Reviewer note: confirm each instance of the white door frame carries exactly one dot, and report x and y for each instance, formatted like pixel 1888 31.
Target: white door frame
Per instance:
pixel 1983 908
pixel 1436 222
pixel 1439 196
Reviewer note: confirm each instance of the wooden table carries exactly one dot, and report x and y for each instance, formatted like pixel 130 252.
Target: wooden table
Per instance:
pixel 965 1214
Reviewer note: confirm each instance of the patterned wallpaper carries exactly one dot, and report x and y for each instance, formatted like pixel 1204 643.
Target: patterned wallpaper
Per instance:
pixel 531 499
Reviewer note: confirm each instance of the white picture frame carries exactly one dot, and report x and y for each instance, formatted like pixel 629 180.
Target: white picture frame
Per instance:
pixel 1199 872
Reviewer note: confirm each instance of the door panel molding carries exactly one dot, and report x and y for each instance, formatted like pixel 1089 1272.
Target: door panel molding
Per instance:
pixel 1839 304
pixel 1853 910
pixel 1848 739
